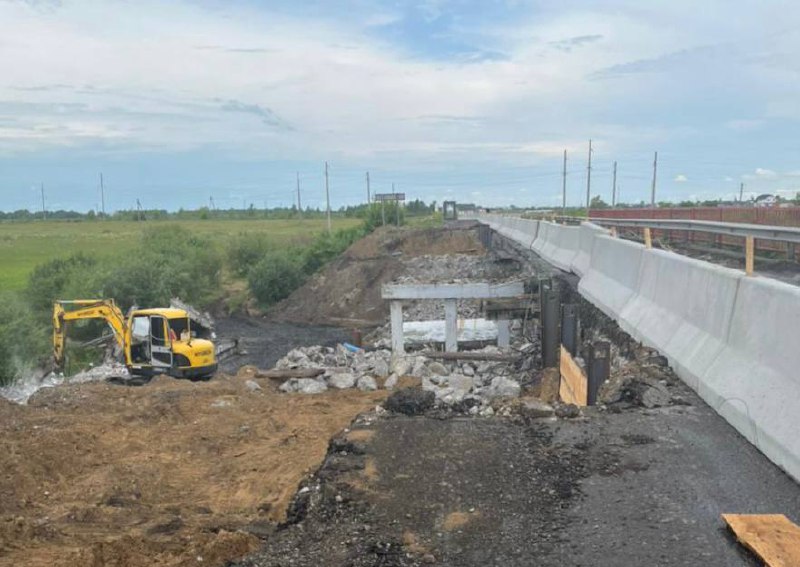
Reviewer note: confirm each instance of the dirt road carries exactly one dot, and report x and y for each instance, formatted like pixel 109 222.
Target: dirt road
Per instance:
pixel 639 487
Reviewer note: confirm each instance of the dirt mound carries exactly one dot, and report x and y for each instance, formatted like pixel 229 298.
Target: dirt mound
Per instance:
pixel 109 475
pixel 348 290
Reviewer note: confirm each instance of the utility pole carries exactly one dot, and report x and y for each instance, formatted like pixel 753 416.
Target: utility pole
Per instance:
pixel 138 210
pixel 383 211
pixel 564 187
pixel 328 197
pixel 741 191
pixel 396 207
pixel 102 196
pixel 44 209
pixel 299 205
pixel 614 187
pixel 589 179
pixel 368 196
pixel 653 188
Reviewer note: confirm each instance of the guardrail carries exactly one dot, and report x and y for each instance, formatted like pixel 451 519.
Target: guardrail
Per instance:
pixel 765 232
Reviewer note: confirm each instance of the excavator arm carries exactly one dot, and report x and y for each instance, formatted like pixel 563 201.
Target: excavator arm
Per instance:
pixel 64 311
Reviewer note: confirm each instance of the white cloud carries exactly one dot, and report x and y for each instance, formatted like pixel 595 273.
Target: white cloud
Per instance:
pixel 767 173
pixel 681 178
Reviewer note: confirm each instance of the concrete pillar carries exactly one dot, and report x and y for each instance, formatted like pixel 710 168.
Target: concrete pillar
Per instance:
pixel 503 333
pixel 396 311
pixel 450 325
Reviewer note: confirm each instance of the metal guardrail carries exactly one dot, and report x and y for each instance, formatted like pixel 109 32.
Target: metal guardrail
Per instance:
pixel 764 232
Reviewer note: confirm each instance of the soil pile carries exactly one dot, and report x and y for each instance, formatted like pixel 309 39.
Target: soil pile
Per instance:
pixel 348 290
pixel 164 474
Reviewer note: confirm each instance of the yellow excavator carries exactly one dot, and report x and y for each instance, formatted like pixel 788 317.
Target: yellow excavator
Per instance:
pixel 153 341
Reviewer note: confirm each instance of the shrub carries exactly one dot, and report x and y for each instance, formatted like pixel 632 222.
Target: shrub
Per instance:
pixel 23 339
pixel 274 277
pixel 48 281
pixel 245 250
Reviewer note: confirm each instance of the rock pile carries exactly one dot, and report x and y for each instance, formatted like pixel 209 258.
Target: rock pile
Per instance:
pixel 468 386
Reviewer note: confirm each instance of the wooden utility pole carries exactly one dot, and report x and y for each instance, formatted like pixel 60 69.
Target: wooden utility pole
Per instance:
pixel 299 204
pixel 564 186
pixel 589 179
pixel 102 196
pixel 741 192
pixel 328 197
pixel 614 187
pixel 368 195
pixel 44 209
pixel 653 188
pixel 397 207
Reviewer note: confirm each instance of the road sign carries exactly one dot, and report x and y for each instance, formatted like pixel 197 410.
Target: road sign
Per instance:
pixel 390 196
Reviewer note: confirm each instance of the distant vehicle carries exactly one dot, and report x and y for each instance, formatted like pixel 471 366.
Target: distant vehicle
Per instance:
pixel 153 341
pixel 766 200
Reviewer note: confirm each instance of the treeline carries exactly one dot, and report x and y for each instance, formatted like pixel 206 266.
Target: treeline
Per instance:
pixel 168 261
pixel 412 208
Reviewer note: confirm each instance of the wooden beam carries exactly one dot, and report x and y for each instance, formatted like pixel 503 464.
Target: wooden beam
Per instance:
pixel 492 357
pixel 772 537
pixel 287 373
pixel 574 387
pixel 648 238
pixel 749 254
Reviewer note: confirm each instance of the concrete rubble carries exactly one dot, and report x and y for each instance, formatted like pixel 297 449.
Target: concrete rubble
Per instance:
pixel 469 386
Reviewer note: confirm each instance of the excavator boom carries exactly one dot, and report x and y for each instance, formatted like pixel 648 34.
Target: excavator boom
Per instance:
pixel 77 310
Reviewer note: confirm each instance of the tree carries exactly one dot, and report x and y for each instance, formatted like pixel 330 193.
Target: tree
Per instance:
pixel 597 203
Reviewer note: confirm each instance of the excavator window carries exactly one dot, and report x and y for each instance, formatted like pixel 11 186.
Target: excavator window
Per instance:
pixel 140 340
pixel 180 327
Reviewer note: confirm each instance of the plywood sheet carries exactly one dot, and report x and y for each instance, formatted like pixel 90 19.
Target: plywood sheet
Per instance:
pixel 574 387
pixel 774 538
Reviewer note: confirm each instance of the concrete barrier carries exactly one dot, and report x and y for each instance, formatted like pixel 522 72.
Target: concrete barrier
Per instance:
pixel 682 308
pixel 580 264
pixel 732 338
pixel 613 275
pixel 754 383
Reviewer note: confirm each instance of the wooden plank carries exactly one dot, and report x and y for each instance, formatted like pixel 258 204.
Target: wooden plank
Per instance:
pixel 287 373
pixel 493 357
pixel 648 238
pixel 574 386
pixel 774 538
pixel 749 255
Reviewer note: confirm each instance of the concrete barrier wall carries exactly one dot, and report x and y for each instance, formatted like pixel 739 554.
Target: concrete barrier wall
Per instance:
pixel 754 383
pixel 580 264
pixel 613 276
pixel 732 338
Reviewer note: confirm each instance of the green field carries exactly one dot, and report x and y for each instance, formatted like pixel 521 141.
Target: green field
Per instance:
pixel 24 245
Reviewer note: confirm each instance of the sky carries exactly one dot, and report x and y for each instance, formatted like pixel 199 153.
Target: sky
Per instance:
pixel 177 102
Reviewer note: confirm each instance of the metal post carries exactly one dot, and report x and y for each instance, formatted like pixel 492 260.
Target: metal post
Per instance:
pixel 569 327
pixel 653 188
pixel 564 187
pixel 549 314
pixel 614 187
pixel 599 369
pixel 450 325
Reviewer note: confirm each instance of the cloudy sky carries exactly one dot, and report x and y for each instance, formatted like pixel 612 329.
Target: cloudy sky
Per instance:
pixel 179 101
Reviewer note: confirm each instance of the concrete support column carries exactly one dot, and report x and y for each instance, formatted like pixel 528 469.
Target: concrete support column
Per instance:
pixel 396 311
pixel 503 333
pixel 450 325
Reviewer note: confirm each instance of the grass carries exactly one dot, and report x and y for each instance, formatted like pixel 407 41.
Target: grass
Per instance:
pixel 24 245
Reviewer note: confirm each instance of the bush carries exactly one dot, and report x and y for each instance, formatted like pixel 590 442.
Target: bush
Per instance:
pixel 49 281
pixel 375 214
pixel 23 339
pixel 274 277
pixel 245 250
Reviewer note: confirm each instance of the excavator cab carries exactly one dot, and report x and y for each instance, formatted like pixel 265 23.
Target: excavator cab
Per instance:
pixel 154 341
pixel 162 341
